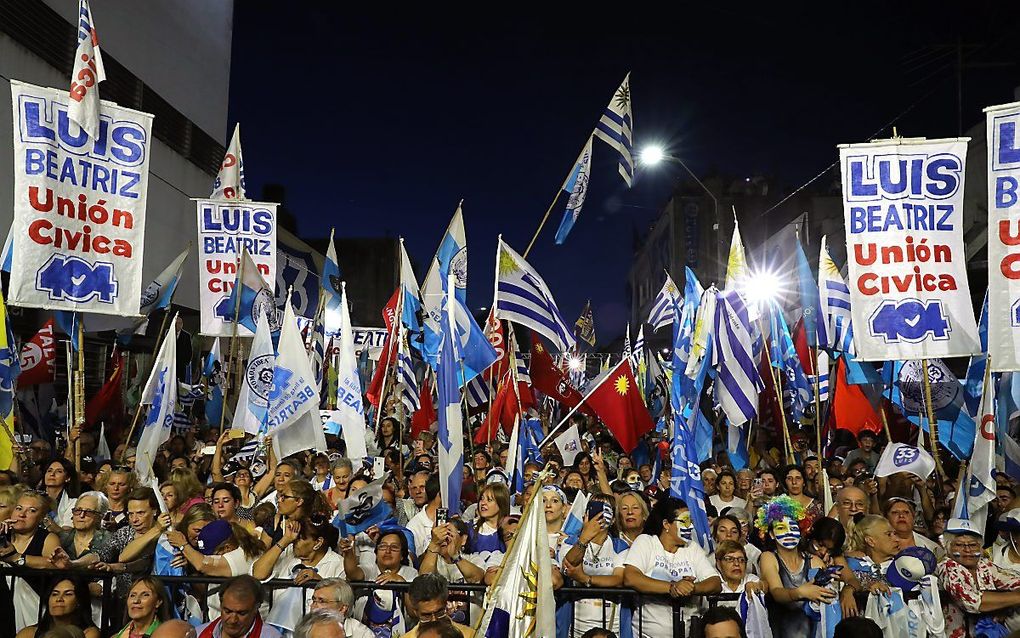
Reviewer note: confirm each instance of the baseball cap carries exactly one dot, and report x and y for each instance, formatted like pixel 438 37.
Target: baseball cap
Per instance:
pixel 496 475
pixel 909 566
pixel 212 535
pixel 1010 521
pixel 962 526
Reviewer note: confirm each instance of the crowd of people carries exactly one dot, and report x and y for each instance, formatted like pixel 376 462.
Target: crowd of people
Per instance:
pixel 816 533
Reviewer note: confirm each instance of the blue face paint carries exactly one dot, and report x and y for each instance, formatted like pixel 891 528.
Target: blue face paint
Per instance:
pixel 786 533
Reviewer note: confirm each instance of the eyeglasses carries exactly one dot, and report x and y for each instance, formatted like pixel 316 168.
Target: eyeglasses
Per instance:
pixel 735 560
pixel 286 497
pixel 324 601
pixel 433 616
pixel 78 511
pixel 389 547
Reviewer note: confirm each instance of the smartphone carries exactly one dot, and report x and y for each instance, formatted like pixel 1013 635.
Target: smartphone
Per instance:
pixel 825 576
pixel 597 508
pixel 208 450
pixel 441 516
pixel 757 485
pixel 235 434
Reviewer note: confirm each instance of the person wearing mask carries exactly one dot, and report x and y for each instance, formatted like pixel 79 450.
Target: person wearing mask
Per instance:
pixel 68 604
pixel 597 561
pixel 422 523
pixel 334 594
pixel 631 516
pixel 726 483
pixel 428 596
pixel 240 599
pixel 30 546
pixel 873 545
pixel 664 561
pixel 731 562
pixel 147 608
pixel 901 515
pixel 788 569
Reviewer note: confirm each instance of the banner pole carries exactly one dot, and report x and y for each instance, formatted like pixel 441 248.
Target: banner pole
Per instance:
pixel 233 344
pixel 777 388
pixel 933 427
pixel 79 395
pixel 541 224
pixel 138 409
pixel 818 398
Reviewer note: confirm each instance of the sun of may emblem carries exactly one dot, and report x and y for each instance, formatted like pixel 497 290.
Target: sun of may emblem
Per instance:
pixel 622 385
pixel 507 264
pixel 528 609
pixel 623 96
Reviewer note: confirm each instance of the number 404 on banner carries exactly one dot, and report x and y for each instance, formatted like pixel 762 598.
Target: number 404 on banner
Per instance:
pixel 225 228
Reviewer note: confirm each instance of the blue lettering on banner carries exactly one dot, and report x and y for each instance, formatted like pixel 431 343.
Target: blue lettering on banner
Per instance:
pixel 1007 147
pixel 1014 315
pixel 82 173
pixel 910 320
pixel 74 279
pixel 903 176
pixel 234 220
pixel 46 123
pixel 900 216
pixel 234 245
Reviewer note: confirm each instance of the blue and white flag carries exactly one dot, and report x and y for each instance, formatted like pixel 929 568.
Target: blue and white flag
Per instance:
pixel 331 286
pixel 406 379
pixel 350 408
pixel 575 518
pixel 981 485
pixel 576 185
pixel 627 351
pixel 8 251
pixel 955 423
pixel 84 104
pixel 685 480
pixel 521 602
pixel 523 297
pixel 807 287
pixel 738 382
pixel 229 182
pixel 411 310
pixel 835 329
pixel 160 394
pixel 292 413
pixel 297 276
pixel 664 303
pixel 160 291
pixel 975 380
pixel 783 356
pixel 820 381
pixel 451 424
pixel 616 128
pixel 256 297
pixel 213 364
pixel 362 509
pixel 256 382
pixel 317 349
pixel 637 357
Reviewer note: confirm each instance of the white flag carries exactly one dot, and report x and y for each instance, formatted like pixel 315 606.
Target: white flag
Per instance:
pixel 900 457
pixel 293 413
pixel 981 485
pixel 349 407
pixel 569 444
pixel 257 382
pixel 229 182
pixel 160 394
pixel 88 72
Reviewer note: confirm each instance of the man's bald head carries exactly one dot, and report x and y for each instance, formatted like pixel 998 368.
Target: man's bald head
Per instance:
pixel 174 629
pixel 851 501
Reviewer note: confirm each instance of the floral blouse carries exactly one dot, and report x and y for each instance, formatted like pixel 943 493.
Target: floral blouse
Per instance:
pixel 964 590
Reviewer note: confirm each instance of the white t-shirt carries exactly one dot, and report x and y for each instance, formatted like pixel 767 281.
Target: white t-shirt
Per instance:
pixel 649 557
pixel 355 629
pixel 753 554
pixel 421 527
pixel 239 564
pixel 384 596
pixel 599 560
pixel 287 606
pixel 739 589
pixel 720 504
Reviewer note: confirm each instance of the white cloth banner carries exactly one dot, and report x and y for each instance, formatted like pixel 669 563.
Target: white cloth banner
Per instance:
pixel 900 457
pixel 79 205
pixel 224 229
pixel 903 208
pixel 1003 135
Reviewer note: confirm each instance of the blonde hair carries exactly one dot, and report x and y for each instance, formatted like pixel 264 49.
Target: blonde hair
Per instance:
pixel 11 493
pixel 186 484
pixel 868 526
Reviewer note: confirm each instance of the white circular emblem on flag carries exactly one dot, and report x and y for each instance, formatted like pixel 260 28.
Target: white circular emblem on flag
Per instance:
pixel 458 266
pixel 264 303
pixel 905 456
pixel 259 375
pixel 943 393
pixel 150 293
pixel 31 355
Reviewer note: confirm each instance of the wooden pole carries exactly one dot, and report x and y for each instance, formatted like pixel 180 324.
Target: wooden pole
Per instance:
pixel 818 398
pixel 933 426
pixel 777 387
pixel 79 395
pixel 541 224
pixel 233 345
pixel 138 409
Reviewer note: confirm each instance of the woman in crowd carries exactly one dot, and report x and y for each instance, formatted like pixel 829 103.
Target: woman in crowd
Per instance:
pixel 9 495
pixel 556 508
pixel 87 540
pixel 60 482
pixel 787 568
pixel 873 545
pixel 296 501
pixel 388 436
pixel 68 603
pixel 188 491
pixel 392 564
pixel 305 553
pixel 226 501
pixel 493 505
pixel 342 473
pixel 664 561
pixel 31 546
pixel 597 561
pixel 583 464
pixel 117 484
pixel 793 481
pixel 147 608
pixel 194 520
pixel 726 497
pixel 631 515
pixel 731 562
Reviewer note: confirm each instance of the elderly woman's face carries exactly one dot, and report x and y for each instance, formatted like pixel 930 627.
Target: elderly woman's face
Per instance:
pixel 966 550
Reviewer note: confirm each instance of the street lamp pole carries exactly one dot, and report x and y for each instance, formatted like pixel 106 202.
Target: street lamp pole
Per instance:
pixel 715 203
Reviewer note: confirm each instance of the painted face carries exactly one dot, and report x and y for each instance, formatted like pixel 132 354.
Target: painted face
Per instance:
pixel 787 533
pixel 684 527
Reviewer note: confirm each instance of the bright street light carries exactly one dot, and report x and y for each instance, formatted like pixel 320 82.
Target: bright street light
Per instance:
pixel 652 155
pixel 574 363
pixel 763 287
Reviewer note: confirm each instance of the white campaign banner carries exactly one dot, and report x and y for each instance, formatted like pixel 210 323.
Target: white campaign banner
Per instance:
pixel 225 228
pixel 1003 135
pixel 79 205
pixel 903 208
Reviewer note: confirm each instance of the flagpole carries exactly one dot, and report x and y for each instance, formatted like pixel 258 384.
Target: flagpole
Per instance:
pixel 155 353
pixel 390 337
pixel 777 388
pixel 79 395
pixel 548 437
pixel 881 410
pixel 541 224
pixel 233 342
pixel 933 427
pixel 818 398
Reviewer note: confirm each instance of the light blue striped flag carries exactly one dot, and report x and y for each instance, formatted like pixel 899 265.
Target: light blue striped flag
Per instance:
pixel 975 380
pixel 738 382
pixel 332 289
pixel 835 330
pixel 451 425
pixel 616 128
pixel 807 286
pixel 783 356
pixel 406 378
pixel 664 303
pixel 523 297
pixel 576 185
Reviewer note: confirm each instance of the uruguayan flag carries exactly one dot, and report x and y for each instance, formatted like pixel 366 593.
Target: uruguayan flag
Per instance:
pixel 616 128
pixel 477 392
pixel 451 425
pixel 410 313
pixel 783 357
pixel 160 394
pixel 738 382
pixel 821 380
pixel 406 378
pixel 575 518
pixel 807 286
pixel 292 414
pixel 576 185
pixel 664 304
pixel 349 406
pixel 256 297
pixel 523 297
pixel 257 382
pixel 835 331
pixel 331 290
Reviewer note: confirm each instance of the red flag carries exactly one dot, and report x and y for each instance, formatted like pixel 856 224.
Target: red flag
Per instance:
pixel 496 335
pixel 850 406
pixel 38 358
pixel 425 416
pixel 107 402
pixel 504 406
pixel 389 351
pixel 803 349
pixel 617 401
pixel 550 380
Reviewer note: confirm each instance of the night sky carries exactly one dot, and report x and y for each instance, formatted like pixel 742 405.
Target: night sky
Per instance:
pixel 379 127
